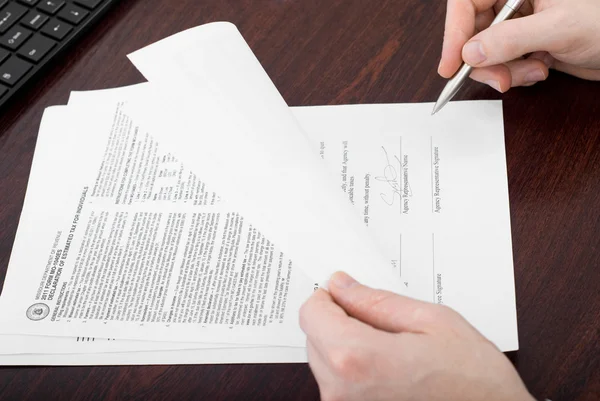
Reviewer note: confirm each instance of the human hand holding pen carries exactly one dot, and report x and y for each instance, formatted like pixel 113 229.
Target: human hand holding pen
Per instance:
pixel 559 34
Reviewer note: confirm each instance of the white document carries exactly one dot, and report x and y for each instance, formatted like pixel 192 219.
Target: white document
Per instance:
pixel 432 191
pixel 422 186
pixel 213 105
pixel 483 273
pixel 118 240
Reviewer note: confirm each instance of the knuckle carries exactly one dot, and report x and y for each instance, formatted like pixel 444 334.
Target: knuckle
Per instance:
pixel 424 314
pixel 454 322
pixel 347 363
pixel 434 314
pixel 457 33
pixel 445 312
pixel 378 302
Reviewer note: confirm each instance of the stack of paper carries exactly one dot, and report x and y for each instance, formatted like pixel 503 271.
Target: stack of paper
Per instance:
pixel 185 220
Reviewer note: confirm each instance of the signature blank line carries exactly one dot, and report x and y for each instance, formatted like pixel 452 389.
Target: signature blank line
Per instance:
pixel 433 262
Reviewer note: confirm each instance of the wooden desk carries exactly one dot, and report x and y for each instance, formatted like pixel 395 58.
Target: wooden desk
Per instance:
pixel 340 51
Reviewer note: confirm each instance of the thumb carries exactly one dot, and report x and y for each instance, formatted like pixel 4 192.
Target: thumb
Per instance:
pixel 385 310
pixel 514 38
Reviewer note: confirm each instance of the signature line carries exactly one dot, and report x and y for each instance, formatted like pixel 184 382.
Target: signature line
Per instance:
pixel 433 262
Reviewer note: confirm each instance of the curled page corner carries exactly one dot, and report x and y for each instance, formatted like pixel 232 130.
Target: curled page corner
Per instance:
pixel 217 109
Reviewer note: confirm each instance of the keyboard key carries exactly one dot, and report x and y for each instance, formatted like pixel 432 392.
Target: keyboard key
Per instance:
pixel 51 6
pixel 29 2
pixel 9 15
pixel 91 4
pixel 36 48
pixel 15 37
pixel 13 70
pixel 3 55
pixel 34 20
pixel 56 29
pixel 72 14
pixel 3 90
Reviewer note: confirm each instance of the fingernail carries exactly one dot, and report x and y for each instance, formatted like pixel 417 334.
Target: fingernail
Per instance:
pixel 494 84
pixel 534 76
pixel 473 53
pixel 342 281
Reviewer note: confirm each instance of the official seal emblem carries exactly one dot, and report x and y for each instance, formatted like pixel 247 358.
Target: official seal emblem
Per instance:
pixel 38 311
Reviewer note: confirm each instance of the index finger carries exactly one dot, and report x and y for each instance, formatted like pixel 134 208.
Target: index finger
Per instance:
pixel 460 27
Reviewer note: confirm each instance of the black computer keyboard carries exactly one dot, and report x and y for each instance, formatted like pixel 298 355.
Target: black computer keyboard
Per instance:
pixel 33 33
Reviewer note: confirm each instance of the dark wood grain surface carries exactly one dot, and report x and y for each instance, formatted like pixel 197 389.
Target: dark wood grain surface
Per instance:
pixel 333 52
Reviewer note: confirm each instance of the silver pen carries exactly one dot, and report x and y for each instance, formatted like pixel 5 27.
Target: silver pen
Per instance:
pixel 454 84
